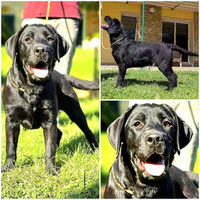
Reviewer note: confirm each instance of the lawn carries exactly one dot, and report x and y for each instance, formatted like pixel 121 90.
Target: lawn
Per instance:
pixel 149 84
pixel 79 166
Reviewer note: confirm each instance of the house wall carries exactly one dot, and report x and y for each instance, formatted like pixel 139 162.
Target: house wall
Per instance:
pixel 153 24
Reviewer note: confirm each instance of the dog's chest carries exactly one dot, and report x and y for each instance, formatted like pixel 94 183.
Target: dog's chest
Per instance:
pixel 34 108
pixel 32 116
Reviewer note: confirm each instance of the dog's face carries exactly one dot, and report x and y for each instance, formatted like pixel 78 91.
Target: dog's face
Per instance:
pixel 152 134
pixel 37 47
pixel 113 27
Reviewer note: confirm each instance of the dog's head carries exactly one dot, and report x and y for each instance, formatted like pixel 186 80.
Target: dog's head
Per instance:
pixel 151 134
pixel 113 26
pixel 37 48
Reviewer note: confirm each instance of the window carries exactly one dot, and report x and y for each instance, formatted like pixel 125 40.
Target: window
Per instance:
pixel 130 25
pixel 168 32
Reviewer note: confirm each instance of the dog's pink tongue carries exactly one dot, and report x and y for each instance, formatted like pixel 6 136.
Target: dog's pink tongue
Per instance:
pixel 41 73
pixel 155 169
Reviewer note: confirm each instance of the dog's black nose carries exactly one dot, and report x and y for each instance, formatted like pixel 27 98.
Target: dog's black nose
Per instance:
pixel 154 139
pixel 40 50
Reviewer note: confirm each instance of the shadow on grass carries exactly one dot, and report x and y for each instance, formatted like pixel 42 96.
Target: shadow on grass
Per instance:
pixel 129 82
pixel 108 75
pixel 80 141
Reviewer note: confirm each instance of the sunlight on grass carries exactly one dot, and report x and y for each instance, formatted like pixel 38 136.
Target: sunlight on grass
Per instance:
pixel 145 84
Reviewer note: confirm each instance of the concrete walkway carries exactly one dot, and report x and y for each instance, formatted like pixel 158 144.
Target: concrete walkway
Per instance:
pixel 151 68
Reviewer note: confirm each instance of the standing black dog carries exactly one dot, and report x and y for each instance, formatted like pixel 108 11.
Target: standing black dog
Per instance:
pixel 129 53
pixel 34 93
pixel 146 138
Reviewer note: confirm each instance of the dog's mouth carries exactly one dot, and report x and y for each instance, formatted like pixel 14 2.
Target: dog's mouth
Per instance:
pixel 154 165
pixel 104 26
pixel 39 70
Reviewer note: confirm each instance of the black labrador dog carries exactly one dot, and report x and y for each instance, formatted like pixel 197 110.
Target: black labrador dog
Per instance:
pixel 145 138
pixel 129 53
pixel 34 92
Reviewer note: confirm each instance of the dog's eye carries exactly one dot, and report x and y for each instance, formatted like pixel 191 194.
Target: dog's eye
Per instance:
pixel 28 39
pixel 167 124
pixel 137 124
pixel 50 39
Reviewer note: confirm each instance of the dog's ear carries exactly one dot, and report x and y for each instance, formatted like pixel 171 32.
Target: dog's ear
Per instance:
pixel 62 45
pixel 184 132
pixel 117 28
pixel 12 43
pixel 116 130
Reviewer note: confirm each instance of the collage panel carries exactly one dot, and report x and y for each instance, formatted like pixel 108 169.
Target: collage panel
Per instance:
pixel 150 50
pixel 50 100
pixel 149 149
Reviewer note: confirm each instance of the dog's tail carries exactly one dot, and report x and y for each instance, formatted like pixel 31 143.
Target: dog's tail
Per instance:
pixel 181 50
pixel 82 84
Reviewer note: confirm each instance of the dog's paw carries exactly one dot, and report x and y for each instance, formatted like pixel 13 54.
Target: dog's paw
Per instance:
pixel 8 166
pixel 169 89
pixel 53 170
pixel 119 86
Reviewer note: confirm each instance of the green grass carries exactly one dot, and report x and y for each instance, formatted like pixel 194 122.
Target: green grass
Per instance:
pixel 145 84
pixel 79 166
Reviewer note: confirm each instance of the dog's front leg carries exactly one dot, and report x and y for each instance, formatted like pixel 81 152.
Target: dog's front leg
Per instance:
pixel 12 135
pixel 121 74
pixel 50 137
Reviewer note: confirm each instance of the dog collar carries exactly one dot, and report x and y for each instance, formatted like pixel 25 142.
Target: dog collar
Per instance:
pixel 118 40
pixel 13 83
pixel 118 184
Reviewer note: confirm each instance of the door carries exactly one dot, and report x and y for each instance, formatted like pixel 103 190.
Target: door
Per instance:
pixel 182 38
pixel 176 33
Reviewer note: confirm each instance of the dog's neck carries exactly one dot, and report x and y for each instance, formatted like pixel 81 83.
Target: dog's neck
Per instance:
pixel 19 80
pixel 117 38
